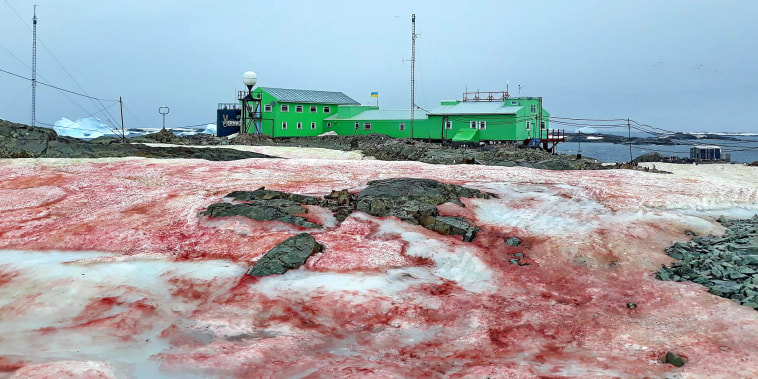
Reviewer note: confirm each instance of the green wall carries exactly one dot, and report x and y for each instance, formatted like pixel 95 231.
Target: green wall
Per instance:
pixel 272 120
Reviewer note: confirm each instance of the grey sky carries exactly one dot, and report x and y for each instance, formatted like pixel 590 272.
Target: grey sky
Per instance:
pixel 680 65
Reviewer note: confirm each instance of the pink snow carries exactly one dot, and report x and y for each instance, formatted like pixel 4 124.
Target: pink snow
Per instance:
pixel 108 270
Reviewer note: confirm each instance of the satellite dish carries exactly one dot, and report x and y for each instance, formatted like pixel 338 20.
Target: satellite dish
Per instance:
pixel 250 78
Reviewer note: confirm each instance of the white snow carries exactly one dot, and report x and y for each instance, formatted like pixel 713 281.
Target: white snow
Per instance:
pixel 88 127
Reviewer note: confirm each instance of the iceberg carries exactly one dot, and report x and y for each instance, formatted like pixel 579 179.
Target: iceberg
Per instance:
pixel 88 127
pixel 210 129
pixel 585 129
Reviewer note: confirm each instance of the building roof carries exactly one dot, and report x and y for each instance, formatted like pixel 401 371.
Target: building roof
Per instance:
pixel 307 96
pixel 474 108
pixel 379 115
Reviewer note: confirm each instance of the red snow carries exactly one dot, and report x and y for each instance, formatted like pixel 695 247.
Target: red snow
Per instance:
pixel 363 307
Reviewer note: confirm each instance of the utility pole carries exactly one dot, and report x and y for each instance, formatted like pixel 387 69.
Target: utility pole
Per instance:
pixel 123 135
pixel 34 68
pixel 629 128
pixel 413 72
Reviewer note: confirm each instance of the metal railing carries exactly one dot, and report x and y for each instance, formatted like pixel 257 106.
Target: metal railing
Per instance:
pixel 229 106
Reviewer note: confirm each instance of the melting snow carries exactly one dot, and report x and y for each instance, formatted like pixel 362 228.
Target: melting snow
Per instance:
pixel 165 295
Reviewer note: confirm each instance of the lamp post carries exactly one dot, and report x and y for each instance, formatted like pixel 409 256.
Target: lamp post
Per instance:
pixel 164 110
pixel 249 78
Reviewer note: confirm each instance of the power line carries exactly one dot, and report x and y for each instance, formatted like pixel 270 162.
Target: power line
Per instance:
pixel 58 88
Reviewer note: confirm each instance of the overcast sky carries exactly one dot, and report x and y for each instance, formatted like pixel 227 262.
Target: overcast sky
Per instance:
pixel 675 64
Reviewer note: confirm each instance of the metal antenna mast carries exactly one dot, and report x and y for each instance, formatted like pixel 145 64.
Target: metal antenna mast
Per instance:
pixel 413 72
pixel 34 68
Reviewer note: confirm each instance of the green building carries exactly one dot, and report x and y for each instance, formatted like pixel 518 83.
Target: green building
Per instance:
pixel 504 119
pixel 294 113
pixel 357 120
pixel 478 117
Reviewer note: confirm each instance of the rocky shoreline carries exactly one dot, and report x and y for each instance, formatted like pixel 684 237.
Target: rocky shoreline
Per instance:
pixel 664 140
pixel 22 141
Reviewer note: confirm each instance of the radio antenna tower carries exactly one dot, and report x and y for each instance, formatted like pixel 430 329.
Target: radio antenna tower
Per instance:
pixel 34 68
pixel 413 71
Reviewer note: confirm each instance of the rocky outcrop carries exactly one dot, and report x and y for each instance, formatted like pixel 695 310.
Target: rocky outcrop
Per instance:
pixel 21 141
pixel 289 254
pixel 727 264
pixel 264 210
pixel 264 194
pixel 415 201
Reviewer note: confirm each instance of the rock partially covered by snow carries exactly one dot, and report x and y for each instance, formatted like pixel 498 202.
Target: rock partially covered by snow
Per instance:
pixel 89 127
pixel 291 253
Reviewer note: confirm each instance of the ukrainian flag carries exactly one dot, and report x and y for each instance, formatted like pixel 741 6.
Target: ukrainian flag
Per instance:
pixel 374 94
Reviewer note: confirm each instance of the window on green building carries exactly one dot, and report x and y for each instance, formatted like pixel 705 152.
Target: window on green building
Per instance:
pixel 482 124
pixel 367 126
pixel 448 125
pixel 285 108
pixel 314 109
pixel 299 108
pixel 357 125
pixel 514 102
pixel 328 124
pixel 472 124
pixel 528 125
pixel 284 125
pixel 534 108
pixel 299 125
pixel 313 125
pixel 542 125
pixel 402 126
pixel 327 109
pixel 267 108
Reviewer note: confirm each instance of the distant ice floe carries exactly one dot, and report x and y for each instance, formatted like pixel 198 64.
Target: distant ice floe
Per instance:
pixel 88 127
pixel 586 129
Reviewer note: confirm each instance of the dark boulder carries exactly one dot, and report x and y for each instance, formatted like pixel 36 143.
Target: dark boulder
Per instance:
pixel 280 210
pixel 264 194
pixel 513 241
pixel 674 359
pixel 451 226
pixel 415 201
pixel 289 254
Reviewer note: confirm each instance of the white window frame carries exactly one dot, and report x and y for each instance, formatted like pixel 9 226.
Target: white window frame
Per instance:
pixel 483 125
pixel 328 124
pixel 528 125
pixel 367 126
pixel 313 126
pixel 448 125
pixel 284 108
pixel 299 125
pixel 284 125
pixel 542 125
pixel 357 125
pixel 472 124
pixel 401 126
pixel 327 109
pixel 314 109
pixel 267 108
pixel 533 108
pixel 298 109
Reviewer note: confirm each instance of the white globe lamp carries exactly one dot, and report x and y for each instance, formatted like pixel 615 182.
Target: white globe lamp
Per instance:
pixel 250 78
